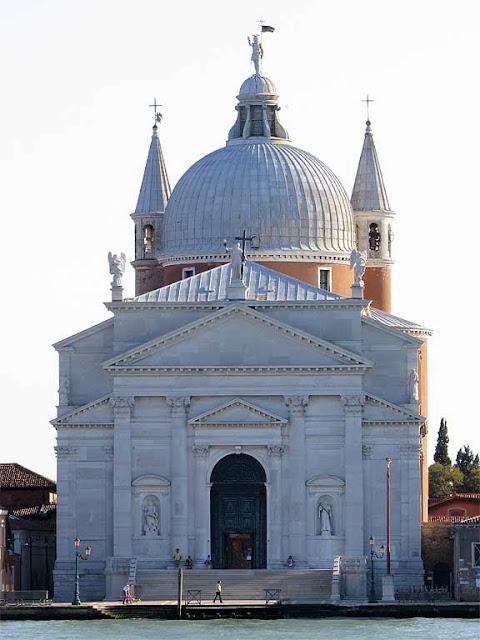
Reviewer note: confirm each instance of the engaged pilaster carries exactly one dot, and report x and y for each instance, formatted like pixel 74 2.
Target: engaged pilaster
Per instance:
pixel 297 406
pixel 179 471
pixel 122 476
pixel 354 530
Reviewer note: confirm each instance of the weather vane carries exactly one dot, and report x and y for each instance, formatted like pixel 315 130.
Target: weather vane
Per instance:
pixel 157 115
pixel 368 101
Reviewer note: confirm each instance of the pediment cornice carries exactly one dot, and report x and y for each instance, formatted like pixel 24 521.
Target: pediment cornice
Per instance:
pixel 403 415
pixel 255 416
pixel 135 355
pixel 73 418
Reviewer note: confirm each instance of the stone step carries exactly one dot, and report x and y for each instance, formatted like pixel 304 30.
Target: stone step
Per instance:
pixel 237 585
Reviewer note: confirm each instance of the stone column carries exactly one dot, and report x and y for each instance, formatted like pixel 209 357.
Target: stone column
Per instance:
pixel 122 477
pixel 296 489
pixel 276 555
pixel 354 529
pixel 179 473
pixel 202 505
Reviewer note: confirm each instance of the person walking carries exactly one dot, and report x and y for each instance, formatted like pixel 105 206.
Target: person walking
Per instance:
pixel 218 591
pixel 127 598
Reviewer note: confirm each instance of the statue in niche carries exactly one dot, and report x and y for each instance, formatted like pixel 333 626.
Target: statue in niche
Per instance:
pixel 117 267
pixel 150 519
pixel 257 52
pixel 413 384
pixel 325 517
pixel 358 261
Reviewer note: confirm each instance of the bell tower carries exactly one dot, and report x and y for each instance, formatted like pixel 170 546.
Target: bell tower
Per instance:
pixel 374 224
pixel 148 217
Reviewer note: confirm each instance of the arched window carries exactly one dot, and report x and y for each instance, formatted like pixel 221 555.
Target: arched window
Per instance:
pixel 148 238
pixel 374 237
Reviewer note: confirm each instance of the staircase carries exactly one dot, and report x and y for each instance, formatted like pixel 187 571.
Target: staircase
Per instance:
pixel 297 585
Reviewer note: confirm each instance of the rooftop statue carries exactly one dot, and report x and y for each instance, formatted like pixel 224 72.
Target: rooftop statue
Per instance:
pixel 257 52
pixel 117 267
pixel 358 260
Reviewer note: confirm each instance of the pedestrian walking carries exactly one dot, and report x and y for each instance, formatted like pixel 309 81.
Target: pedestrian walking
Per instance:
pixel 127 598
pixel 218 591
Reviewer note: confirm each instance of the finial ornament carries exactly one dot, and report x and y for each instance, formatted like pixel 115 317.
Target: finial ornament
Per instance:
pixel 157 115
pixel 368 101
pixel 117 267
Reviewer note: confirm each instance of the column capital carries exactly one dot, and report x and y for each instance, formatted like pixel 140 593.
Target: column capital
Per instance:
pixel 178 405
pixel 353 404
pixel 200 451
pixel 297 404
pixel 122 406
pixel 276 451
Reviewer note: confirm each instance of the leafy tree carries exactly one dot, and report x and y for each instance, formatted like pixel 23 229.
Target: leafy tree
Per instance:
pixel 471 482
pixel 443 480
pixel 466 461
pixel 441 450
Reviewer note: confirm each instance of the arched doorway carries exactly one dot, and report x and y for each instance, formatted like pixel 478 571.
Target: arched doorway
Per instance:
pixel 238 513
pixel 441 575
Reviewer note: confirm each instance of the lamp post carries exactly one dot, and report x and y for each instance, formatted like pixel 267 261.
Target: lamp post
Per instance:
pixel 374 554
pixel 388 461
pixel 78 556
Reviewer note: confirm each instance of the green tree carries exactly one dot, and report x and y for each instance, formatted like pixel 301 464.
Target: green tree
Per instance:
pixel 441 450
pixel 443 480
pixel 466 461
pixel 471 482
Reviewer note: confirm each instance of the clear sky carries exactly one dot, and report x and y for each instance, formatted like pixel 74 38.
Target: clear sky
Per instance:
pixel 77 79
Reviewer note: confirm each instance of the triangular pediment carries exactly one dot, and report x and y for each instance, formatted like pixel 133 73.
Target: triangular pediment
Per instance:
pixel 96 414
pixel 237 412
pixel 380 411
pixel 237 336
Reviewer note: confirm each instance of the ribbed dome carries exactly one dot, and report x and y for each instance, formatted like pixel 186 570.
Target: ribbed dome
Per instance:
pixel 257 85
pixel 283 195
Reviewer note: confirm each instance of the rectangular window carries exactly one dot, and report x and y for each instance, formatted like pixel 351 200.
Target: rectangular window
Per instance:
pixel 188 273
pixel 476 554
pixel 325 279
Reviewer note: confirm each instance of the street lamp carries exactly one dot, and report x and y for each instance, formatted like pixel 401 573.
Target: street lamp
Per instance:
pixel 374 554
pixel 78 556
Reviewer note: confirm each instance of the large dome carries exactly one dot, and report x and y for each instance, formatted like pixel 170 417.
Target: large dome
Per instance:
pixel 293 204
pixel 283 195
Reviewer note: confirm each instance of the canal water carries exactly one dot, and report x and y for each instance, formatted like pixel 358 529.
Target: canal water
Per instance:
pixel 227 629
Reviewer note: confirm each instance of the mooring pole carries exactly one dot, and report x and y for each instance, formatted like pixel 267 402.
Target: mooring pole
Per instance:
pixel 180 592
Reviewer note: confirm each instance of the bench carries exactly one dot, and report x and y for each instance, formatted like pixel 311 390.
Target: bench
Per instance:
pixel 39 596
pixel 272 595
pixel 193 595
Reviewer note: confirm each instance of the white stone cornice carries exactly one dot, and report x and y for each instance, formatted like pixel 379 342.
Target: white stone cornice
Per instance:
pixel 353 404
pixel 71 416
pixel 84 425
pixel 297 405
pixel 251 416
pixel 236 370
pixel 178 405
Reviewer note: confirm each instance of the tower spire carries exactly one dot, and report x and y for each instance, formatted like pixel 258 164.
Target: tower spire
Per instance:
pixel 373 220
pixel 149 212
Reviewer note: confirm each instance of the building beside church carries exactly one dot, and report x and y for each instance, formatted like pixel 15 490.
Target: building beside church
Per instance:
pixel 244 402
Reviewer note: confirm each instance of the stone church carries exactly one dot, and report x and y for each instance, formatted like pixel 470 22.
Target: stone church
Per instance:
pixel 243 404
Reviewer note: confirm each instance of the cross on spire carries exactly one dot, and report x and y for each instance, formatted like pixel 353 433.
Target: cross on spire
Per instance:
pixel 157 115
pixel 368 101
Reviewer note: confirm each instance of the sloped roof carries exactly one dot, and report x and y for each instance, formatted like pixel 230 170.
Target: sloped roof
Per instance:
pixel 14 476
pixel 155 190
pixel 41 510
pixel 262 283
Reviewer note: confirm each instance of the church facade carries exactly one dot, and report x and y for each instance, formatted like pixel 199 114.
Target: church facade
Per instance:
pixel 243 404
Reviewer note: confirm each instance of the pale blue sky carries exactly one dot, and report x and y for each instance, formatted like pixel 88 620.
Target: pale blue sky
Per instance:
pixel 75 128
